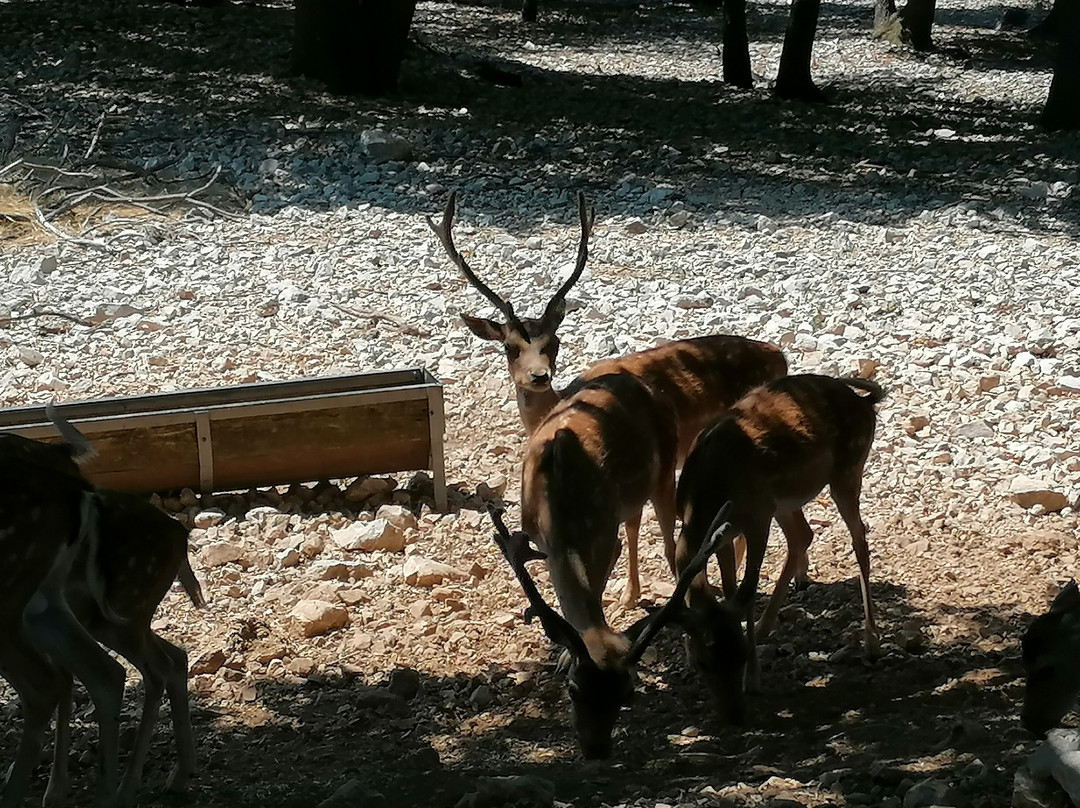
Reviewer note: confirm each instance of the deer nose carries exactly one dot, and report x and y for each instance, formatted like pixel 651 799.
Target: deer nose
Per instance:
pixel 540 378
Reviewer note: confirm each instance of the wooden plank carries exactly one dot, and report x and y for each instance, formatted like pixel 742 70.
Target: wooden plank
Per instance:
pixel 145 460
pixel 324 428
pixel 303 446
pixel 208 398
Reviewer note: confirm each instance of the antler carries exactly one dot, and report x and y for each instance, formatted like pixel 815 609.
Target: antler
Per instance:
pixel 442 230
pixel 717 533
pixel 516 549
pixel 587 220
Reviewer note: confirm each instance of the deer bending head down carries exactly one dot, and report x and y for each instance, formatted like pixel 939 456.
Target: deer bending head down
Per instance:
pixel 600 674
pixel 774 451
pixel 531 344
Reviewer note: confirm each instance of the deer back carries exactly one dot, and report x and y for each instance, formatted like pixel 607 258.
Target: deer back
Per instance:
pixel 41 518
pixel 55 457
pixel 592 464
pixel 780 444
pixel 140 551
pixel 700 378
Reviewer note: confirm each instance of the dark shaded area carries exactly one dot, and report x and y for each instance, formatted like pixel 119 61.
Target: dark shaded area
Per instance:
pixel 947 711
pixel 354 46
pixel 185 85
pixel 1062 110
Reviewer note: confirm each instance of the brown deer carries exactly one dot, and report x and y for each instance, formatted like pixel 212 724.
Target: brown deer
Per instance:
pixel 598 687
pixel 696 378
pixel 773 452
pixel 138 553
pixel 46 518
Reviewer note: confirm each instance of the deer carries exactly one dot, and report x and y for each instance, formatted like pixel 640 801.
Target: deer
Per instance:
pixel 138 553
pixel 699 378
pixel 1051 648
pixel 774 451
pixel 46 519
pixel 599 687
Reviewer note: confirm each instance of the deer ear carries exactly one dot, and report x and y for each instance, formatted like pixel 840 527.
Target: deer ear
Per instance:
pixel 485 329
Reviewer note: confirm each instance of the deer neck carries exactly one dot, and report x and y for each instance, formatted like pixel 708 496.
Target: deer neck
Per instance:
pixel 534 405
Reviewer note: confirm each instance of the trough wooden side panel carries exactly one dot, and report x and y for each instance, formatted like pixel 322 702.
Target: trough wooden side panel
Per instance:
pixel 144 460
pixel 320 444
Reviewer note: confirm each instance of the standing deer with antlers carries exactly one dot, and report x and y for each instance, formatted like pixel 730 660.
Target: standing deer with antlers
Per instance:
pixel 774 451
pixel 696 380
pixel 137 553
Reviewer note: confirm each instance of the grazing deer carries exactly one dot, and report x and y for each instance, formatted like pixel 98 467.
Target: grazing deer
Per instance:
pixel 46 518
pixel 1051 653
pixel 698 379
pixel 139 552
pixel 773 452
pixel 599 685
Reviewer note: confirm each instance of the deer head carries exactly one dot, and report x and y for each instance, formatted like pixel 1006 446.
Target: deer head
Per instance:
pixel 531 344
pixel 714 636
pixel 598 688
pixel 1051 652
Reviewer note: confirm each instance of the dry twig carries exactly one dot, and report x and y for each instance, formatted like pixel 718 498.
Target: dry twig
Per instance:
pixel 396 323
pixel 46 313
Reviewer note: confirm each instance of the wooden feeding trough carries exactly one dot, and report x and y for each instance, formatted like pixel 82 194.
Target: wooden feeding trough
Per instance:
pixel 268 433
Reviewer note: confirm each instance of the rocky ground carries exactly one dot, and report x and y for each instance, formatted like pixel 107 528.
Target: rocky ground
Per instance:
pixel 214 221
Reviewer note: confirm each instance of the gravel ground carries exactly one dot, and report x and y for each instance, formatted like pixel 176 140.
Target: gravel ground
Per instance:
pixel 920 228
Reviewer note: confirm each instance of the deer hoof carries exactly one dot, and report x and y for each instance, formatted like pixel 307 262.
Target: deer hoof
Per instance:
pixel 630 599
pixel 871 647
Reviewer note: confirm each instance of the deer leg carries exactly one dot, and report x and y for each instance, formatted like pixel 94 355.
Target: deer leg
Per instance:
pixel 845 493
pixel 664 504
pixel 632 593
pixel 727 558
pixel 37 683
pixel 799 535
pixel 757 537
pixel 138 648
pixel 176 685
pixel 56 632
pixel 59 780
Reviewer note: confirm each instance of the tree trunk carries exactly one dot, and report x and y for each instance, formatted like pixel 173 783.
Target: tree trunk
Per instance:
pixel 355 46
pixel 793 78
pixel 528 10
pixel 1062 110
pixel 736 45
pixel 883 9
pixel 917 17
pixel 1048 28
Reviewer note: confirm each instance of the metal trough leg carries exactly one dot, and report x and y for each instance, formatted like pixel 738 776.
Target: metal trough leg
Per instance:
pixel 206 451
pixel 437 423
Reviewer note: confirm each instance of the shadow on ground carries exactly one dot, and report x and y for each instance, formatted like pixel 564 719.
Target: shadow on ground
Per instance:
pixel 865 731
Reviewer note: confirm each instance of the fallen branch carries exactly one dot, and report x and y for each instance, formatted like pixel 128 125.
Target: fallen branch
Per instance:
pixel 11 167
pixel 46 313
pixel 97 131
pixel 398 324
pixel 62 236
